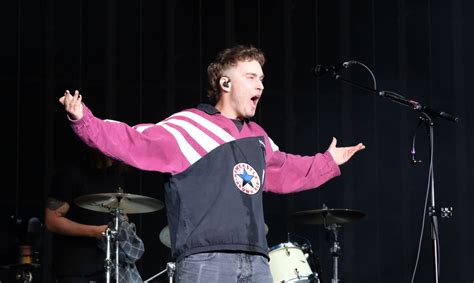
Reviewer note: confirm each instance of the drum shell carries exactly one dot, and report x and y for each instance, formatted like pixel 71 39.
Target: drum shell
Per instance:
pixel 288 263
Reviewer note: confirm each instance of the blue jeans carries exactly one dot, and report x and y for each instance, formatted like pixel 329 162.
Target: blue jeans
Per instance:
pixel 223 267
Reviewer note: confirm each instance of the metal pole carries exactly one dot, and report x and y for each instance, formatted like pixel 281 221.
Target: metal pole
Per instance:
pixel 335 253
pixel 171 268
pixel 107 257
pixel 434 217
pixel 117 212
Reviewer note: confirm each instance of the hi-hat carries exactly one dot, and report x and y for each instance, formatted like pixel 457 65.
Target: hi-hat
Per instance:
pixel 166 240
pixel 327 216
pixel 125 203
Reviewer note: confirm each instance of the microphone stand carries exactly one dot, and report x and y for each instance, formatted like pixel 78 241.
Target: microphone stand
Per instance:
pixel 428 114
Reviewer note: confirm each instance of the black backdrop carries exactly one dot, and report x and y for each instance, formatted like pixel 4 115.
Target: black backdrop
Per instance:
pixel 140 61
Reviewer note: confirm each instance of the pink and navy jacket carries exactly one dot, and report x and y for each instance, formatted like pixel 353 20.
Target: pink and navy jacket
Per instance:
pixel 217 174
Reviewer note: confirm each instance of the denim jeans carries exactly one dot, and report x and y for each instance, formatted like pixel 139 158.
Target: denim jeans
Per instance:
pixel 223 267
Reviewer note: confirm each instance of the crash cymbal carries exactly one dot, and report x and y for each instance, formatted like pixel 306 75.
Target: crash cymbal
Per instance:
pixel 126 203
pixel 165 235
pixel 327 216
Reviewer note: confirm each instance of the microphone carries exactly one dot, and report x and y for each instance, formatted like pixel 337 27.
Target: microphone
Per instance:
pixel 321 70
pixel 441 114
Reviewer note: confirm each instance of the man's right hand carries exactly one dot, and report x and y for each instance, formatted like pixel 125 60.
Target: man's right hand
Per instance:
pixel 56 221
pixel 73 105
pixel 100 230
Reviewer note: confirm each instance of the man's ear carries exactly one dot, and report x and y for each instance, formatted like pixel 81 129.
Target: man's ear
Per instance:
pixel 225 82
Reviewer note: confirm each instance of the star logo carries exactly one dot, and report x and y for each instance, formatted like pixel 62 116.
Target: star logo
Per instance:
pixel 246 178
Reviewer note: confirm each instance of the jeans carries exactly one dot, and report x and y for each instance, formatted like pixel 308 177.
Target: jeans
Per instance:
pixel 223 267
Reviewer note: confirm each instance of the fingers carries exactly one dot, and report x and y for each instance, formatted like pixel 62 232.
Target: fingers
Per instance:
pixel 72 104
pixel 73 98
pixel 355 149
pixel 360 146
pixel 77 96
pixel 333 142
pixel 69 99
pixel 64 99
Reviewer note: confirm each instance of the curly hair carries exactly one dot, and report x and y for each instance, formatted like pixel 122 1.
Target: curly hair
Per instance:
pixel 227 58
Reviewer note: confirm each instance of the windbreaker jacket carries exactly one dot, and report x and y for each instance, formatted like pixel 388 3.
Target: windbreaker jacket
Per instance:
pixel 217 174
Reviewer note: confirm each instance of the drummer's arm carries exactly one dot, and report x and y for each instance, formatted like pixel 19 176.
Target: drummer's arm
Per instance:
pixel 57 222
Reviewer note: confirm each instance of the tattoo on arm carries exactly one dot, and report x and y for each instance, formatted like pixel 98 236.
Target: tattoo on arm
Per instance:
pixel 53 203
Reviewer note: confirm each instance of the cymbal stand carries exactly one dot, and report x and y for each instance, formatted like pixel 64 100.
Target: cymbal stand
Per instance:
pixel 170 268
pixel 334 251
pixel 112 235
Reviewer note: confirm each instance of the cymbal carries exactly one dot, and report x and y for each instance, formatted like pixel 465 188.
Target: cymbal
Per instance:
pixel 126 203
pixel 165 235
pixel 327 216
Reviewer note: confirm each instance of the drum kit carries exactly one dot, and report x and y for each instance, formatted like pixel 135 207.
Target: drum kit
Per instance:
pixel 116 204
pixel 289 261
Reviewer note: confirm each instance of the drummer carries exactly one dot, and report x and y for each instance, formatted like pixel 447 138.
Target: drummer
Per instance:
pixel 219 163
pixel 76 256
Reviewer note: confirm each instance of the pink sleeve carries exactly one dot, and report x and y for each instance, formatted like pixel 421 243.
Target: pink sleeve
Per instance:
pixel 287 173
pixel 147 147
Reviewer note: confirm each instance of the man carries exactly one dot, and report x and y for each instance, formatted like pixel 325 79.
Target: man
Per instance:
pixel 78 232
pixel 219 164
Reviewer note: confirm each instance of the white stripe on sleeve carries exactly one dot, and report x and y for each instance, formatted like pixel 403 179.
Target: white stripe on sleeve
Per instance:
pixel 274 146
pixel 199 136
pixel 187 150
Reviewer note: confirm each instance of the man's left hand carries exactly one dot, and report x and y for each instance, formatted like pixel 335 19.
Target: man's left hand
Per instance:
pixel 342 154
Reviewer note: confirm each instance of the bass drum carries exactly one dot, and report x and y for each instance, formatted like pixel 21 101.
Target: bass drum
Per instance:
pixel 288 263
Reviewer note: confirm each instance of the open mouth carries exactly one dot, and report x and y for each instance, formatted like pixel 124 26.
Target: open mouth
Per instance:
pixel 255 99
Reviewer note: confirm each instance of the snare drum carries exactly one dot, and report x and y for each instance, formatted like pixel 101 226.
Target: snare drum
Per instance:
pixel 288 263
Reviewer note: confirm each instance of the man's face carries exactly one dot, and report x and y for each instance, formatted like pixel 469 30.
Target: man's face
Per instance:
pixel 246 87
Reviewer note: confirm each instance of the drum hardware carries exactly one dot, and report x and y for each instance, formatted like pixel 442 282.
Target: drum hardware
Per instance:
pixel 26 266
pixel 116 204
pixel 21 272
pixel 24 276
pixel 335 249
pixel 111 235
pixel 330 218
pixel 170 269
